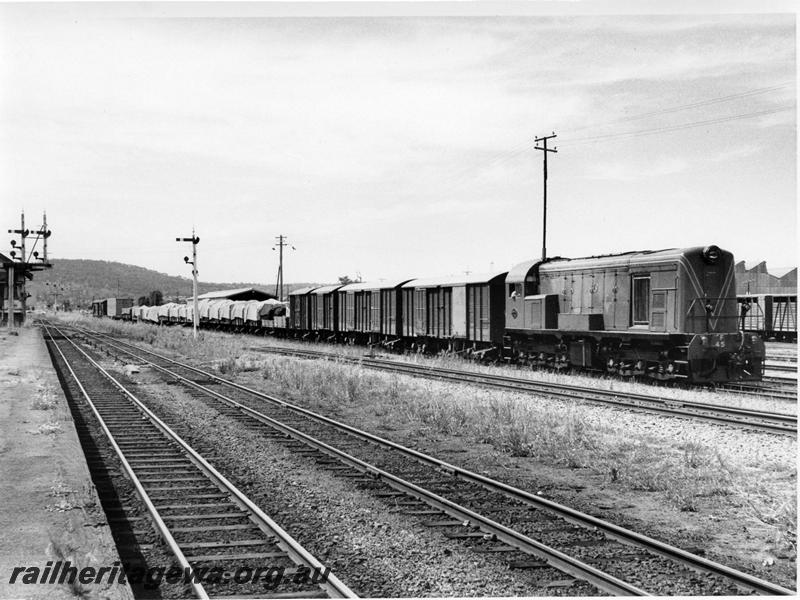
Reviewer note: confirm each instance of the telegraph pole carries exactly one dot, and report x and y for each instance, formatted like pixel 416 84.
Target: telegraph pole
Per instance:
pixel 545 149
pixel 281 242
pixel 195 240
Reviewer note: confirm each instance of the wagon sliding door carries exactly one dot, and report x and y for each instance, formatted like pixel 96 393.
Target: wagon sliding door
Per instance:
pixel 420 321
pixel 478 319
pixel 459 312
pixel 440 304
pixel 389 324
pixel 375 311
pixel 329 311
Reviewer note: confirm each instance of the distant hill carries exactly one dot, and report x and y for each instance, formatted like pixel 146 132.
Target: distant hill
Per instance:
pixel 85 280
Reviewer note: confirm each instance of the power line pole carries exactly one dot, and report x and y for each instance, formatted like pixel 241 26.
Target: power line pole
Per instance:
pixel 281 242
pixel 545 149
pixel 195 240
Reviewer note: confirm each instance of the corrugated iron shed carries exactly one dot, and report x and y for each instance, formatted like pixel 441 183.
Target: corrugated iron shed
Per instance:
pixel 237 294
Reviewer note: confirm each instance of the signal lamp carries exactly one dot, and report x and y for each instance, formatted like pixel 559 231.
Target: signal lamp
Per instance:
pixel 711 254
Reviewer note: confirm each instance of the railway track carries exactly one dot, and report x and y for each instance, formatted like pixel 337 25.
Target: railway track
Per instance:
pixel 207 525
pixel 782 358
pixel 781 352
pixel 758 420
pixel 782 367
pixel 491 515
pixel 767 388
pixel 779 381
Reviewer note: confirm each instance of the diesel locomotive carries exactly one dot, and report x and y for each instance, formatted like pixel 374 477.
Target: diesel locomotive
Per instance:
pixel 665 314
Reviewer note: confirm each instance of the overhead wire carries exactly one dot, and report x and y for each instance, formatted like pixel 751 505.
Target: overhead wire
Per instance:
pixel 670 128
pixel 673 109
pixel 470 174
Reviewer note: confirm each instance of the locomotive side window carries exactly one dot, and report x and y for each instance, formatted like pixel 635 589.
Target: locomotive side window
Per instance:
pixel 530 285
pixel 641 300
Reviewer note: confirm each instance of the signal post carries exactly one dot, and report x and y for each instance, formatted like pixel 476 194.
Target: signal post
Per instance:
pixel 195 240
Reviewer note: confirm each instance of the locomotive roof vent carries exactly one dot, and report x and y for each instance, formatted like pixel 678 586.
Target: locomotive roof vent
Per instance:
pixel 711 254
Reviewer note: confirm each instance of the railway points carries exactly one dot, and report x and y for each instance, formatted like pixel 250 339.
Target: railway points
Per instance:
pixel 290 426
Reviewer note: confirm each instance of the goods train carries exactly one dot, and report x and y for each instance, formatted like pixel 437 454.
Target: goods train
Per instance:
pixel 112 307
pixel 773 316
pixel 665 314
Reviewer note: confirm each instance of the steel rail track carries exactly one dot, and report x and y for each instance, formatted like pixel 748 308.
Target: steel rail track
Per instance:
pixel 754 391
pixel 559 560
pixel 780 390
pixel 777 388
pixel 743 580
pixel 782 368
pixel 781 381
pixel 726 415
pixel 786 358
pixel 141 477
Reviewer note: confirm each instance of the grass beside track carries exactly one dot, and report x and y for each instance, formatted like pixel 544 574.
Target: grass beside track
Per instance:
pixel 691 467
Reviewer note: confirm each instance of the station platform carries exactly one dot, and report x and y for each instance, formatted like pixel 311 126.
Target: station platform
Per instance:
pixel 50 510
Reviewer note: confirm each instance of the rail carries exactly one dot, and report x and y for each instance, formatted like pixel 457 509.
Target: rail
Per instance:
pixel 613 531
pixel 770 422
pixel 299 555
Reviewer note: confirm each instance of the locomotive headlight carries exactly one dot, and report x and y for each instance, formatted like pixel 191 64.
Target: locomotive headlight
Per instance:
pixel 703 340
pixel 711 254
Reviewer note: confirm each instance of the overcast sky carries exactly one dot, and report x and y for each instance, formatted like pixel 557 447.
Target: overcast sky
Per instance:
pixel 395 146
